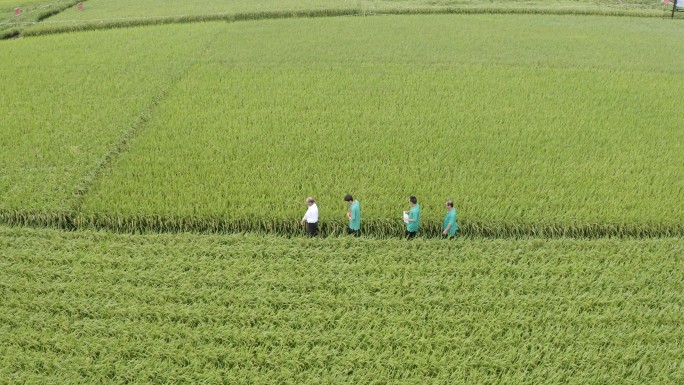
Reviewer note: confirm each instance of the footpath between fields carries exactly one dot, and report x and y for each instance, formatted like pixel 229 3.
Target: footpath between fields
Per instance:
pixel 374 228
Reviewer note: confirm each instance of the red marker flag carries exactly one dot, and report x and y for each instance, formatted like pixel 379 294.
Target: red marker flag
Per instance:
pixel 17 11
pixel 667 2
pixel 80 6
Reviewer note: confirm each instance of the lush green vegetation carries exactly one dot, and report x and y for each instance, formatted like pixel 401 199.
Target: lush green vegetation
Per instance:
pixel 132 8
pixel 33 11
pixel 127 13
pixel 68 104
pixel 89 307
pixel 64 16
pixel 536 126
pixel 6 5
pixel 529 131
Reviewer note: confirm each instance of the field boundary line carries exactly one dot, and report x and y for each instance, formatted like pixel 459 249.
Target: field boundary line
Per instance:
pixel 65 26
pixel 123 143
pixel 11 27
pixel 381 228
pixel 369 12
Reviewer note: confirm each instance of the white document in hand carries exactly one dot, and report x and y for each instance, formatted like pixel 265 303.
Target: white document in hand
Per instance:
pixel 405 218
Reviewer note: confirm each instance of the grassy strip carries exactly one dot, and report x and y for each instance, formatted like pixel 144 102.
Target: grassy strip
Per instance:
pixel 332 12
pixel 9 33
pixel 54 11
pixel 38 218
pixel 380 228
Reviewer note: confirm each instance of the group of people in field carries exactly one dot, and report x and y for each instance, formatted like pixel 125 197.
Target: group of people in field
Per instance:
pixel 411 218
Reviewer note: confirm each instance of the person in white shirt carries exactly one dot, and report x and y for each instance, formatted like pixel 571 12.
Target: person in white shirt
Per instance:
pixel 311 218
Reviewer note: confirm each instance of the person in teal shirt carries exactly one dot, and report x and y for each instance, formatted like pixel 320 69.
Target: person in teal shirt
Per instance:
pixel 449 226
pixel 413 220
pixel 354 216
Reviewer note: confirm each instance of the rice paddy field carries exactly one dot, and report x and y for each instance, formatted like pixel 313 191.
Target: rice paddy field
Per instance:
pixel 534 125
pixel 128 13
pixel 92 307
pixel 413 105
pixel 129 8
pixel 152 180
pixel 67 104
pixel 32 12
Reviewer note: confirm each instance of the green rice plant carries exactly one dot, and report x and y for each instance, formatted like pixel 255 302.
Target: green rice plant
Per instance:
pixel 125 13
pixel 96 307
pixel 68 104
pixel 7 5
pixel 32 12
pixel 528 131
pixel 174 8
pixel 75 26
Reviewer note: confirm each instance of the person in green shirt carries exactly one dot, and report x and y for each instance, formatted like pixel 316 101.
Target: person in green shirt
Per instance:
pixel 449 226
pixel 354 216
pixel 413 220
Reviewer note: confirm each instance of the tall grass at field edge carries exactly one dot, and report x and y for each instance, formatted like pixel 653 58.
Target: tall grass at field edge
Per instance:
pixel 38 218
pixel 60 8
pixel 375 228
pixel 38 16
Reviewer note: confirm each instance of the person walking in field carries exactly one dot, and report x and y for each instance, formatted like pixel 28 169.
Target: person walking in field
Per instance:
pixel 412 218
pixel 311 218
pixel 354 216
pixel 449 226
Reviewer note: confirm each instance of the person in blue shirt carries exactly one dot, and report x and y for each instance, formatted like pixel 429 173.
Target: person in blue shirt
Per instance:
pixel 413 220
pixel 354 216
pixel 449 226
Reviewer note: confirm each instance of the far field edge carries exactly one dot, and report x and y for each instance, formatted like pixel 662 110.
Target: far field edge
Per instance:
pixel 48 28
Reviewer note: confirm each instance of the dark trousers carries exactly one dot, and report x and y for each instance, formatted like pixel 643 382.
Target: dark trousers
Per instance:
pixel 356 233
pixel 411 234
pixel 312 229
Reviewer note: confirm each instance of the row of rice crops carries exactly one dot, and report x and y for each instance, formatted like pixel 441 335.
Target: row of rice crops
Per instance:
pixel 93 307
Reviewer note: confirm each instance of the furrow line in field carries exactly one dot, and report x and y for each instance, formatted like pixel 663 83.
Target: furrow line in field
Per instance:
pixel 124 141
